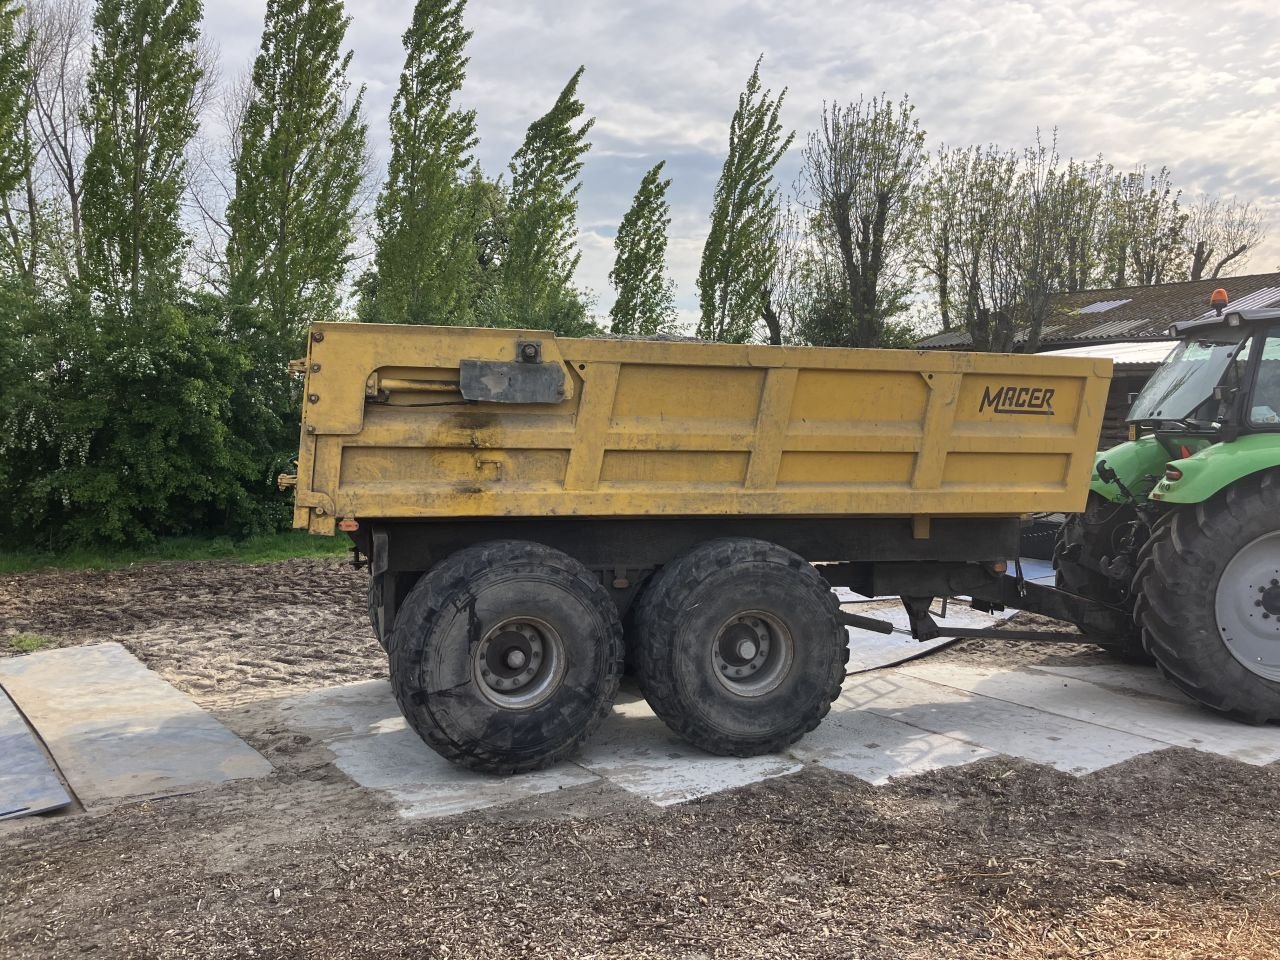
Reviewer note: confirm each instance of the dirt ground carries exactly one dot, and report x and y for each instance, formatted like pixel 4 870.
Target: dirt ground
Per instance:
pixel 1170 855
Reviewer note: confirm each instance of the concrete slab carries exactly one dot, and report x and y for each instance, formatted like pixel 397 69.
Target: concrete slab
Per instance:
pixel 875 748
pixel 28 783
pixel 371 743
pixel 119 732
pixel 634 750
pixel 1124 679
pixel 1168 722
pixel 1072 746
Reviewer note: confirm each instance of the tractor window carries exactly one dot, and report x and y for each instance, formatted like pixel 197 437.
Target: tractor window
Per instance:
pixel 1182 389
pixel 1265 407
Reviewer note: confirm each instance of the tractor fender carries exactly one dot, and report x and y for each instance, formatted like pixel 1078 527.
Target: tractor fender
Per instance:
pixel 1132 462
pixel 1218 466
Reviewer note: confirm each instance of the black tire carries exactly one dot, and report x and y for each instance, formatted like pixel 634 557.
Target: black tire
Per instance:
pixel 375 609
pixel 476 600
pixel 1082 543
pixel 695 604
pixel 1179 584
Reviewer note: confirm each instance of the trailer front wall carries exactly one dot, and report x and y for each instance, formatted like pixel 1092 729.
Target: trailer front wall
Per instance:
pixel 675 428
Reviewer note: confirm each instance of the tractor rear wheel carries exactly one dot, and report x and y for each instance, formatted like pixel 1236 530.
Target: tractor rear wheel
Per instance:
pixel 1085 539
pixel 740 647
pixel 1210 609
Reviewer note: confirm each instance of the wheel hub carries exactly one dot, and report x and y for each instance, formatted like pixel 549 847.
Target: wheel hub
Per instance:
pixel 752 653
pixel 1271 600
pixel 1247 606
pixel 519 663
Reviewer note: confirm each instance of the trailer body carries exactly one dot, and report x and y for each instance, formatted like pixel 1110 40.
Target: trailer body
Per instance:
pixel 400 423
pixel 518 497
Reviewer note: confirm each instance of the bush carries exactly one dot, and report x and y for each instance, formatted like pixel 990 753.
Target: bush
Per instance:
pixel 120 432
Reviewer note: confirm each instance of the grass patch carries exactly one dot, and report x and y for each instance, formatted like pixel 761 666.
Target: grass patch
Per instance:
pixel 264 549
pixel 28 642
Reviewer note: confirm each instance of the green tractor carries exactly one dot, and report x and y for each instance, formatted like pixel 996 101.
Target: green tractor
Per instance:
pixel 1181 534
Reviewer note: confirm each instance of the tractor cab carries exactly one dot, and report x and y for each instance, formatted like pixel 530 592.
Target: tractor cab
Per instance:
pixel 1221 381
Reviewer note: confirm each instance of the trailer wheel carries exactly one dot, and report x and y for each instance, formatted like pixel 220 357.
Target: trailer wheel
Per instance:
pixel 741 650
pixel 506 656
pixel 1210 605
pixel 375 609
pixel 1082 543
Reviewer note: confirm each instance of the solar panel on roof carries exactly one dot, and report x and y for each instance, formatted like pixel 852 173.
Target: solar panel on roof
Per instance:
pixel 1102 306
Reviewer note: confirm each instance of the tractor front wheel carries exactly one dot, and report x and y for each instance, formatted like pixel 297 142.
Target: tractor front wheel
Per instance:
pixel 1084 541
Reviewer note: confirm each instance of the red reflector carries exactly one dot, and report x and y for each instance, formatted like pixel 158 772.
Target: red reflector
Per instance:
pixel 348 525
pixel 1172 474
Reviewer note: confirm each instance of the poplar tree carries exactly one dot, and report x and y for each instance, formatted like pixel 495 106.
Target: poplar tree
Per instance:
pixel 741 251
pixel 300 162
pixel 646 301
pixel 18 237
pixel 140 110
pixel 425 259
pixel 541 255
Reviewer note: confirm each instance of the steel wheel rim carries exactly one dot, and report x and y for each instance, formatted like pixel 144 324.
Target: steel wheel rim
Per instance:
pixel 752 653
pixel 1247 606
pixel 519 663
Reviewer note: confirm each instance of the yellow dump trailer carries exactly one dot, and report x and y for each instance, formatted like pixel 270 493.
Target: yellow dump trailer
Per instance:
pixel 515 494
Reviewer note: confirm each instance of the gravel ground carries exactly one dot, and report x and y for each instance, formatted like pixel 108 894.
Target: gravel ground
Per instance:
pixel 1170 855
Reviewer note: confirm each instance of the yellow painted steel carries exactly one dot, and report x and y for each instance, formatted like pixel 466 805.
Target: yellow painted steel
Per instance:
pixel 677 428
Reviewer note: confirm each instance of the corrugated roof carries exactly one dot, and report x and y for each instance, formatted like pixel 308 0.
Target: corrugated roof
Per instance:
pixel 1125 354
pixel 1134 313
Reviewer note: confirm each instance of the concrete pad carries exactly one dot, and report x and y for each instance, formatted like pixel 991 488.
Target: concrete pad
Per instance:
pixel 1072 746
pixel 119 732
pixel 1124 679
pixel 1176 724
pixel 875 748
pixel 636 751
pixel 28 784
pixel 363 727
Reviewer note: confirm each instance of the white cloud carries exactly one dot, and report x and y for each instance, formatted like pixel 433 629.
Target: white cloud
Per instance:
pixel 1181 83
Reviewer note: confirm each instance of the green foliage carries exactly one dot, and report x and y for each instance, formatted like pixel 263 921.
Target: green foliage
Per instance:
pixel 541 252
pixel 1146 242
pixel 15 140
pixel 140 114
pixel 646 299
pixel 300 162
pixel 741 252
pixel 119 432
pixel 28 642
pixel 263 548
pixel 425 245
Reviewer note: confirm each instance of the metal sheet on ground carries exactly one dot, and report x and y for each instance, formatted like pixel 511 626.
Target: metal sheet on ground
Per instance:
pixel 28 784
pixel 371 743
pixel 118 731
pixel 636 751
pixel 1176 724
pixel 1073 746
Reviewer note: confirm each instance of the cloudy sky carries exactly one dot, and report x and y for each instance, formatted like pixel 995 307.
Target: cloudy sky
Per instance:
pixel 1193 85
